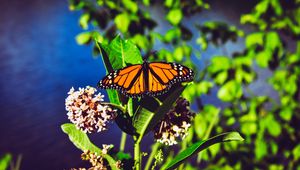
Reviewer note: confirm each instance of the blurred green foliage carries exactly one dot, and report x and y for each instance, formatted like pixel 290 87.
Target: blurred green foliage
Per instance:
pixel 269 123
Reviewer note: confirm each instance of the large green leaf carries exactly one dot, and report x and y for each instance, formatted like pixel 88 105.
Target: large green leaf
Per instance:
pixel 112 94
pixel 82 142
pixel 201 145
pixel 145 120
pixel 122 52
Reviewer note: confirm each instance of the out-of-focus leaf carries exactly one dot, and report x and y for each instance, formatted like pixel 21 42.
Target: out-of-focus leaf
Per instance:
pixel 142 42
pixel 131 5
pixel 172 34
pixel 261 149
pixel 146 2
pixel 5 161
pixel 230 91
pixel 272 40
pixel 296 152
pixel 174 16
pixel 169 3
pixel 202 42
pixel 221 77
pixel 82 142
pixel 200 125
pixel 272 125
pixel 276 6
pixel 263 58
pixel 122 22
pixel 249 128
pixel 84 20
pixel 219 63
pixel 182 51
pixel 203 87
pixel 254 39
pixel 201 145
pixel 83 38
pixel 262 6
pixel 286 113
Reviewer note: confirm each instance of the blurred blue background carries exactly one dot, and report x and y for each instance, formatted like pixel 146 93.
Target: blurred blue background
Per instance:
pixel 40 62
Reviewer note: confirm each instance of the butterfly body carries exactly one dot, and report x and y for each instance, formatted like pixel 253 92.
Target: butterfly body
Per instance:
pixel 148 78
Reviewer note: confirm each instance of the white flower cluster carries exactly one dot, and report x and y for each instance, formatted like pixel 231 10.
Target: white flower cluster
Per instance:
pixel 97 160
pixel 86 111
pixel 169 137
pixel 175 124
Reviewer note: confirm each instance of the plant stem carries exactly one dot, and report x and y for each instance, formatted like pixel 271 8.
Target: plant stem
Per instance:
pixel 152 154
pixel 123 141
pixel 137 154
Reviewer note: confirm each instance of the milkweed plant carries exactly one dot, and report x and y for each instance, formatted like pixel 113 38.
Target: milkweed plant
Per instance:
pixel 167 116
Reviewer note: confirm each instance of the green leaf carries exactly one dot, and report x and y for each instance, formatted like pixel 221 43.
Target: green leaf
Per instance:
pixel 5 161
pixel 201 145
pixel 113 96
pixel 202 42
pixel 174 16
pixel 273 126
pixel 84 20
pixel 83 38
pixel 263 58
pixel 142 42
pixel 296 152
pixel 230 91
pixel 82 142
pixel 249 128
pixel 254 39
pixel 172 34
pixel 169 3
pixel 219 63
pixel 221 77
pixel 141 121
pixel 277 7
pixel 131 5
pixel 79 138
pixel 262 6
pixel 261 148
pixel 286 113
pixel 122 22
pixel 122 52
pixel 146 2
pixel 272 40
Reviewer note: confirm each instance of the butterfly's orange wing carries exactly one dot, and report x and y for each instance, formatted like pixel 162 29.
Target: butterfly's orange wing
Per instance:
pixel 128 80
pixel 150 78
pixel 161 76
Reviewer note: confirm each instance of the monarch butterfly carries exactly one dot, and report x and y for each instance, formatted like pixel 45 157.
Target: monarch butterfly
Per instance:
pixel 148 78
